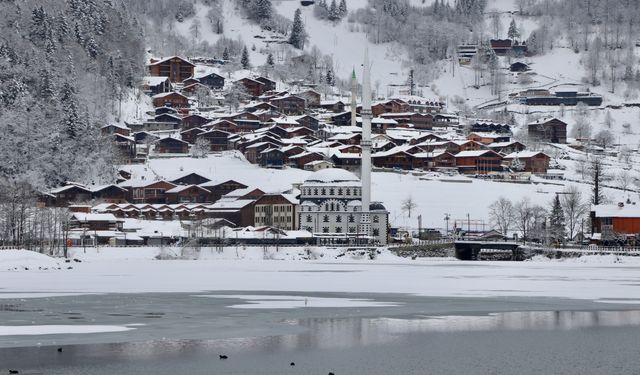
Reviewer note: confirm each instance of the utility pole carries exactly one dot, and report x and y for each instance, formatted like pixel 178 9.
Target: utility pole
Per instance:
pixel 419 228
pixel 446 220
pixel 411 83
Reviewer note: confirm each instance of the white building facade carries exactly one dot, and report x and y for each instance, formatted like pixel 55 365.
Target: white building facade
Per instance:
pixel 331 208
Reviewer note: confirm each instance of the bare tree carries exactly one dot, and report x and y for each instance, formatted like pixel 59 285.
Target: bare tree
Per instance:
pixel 502 215
pixel 408 205
pixel 624 179
pixel 604 138
pixel 574 208
pixel 524 216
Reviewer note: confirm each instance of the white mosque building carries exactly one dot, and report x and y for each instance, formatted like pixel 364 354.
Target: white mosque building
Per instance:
pixel 331 208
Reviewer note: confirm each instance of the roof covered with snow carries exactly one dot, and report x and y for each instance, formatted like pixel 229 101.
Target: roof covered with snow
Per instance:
pixel 332 175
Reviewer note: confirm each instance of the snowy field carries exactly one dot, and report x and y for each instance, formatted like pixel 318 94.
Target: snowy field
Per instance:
pixel 608 279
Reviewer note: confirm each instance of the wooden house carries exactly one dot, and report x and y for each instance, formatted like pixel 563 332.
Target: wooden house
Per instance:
pixel 145 137
pixel 389 106
pixel 350 162
pixel 219 188
pixel 109 194
pixel 253 87
pixel 519 67
pixel 272 157
pixel 308 122
pixel 434 160
pixel 317 165
pixel 194 121
pixel 269 85
pixel 304 158
pixel 168 118
pixel 239 211
pixel 252 152
pixel 548 130
pixel 225 125
pixel 170 145
pixel 172 99
pixel 478 162
pixel 70 193
pixel 92 222
pixel 289 105
pixel 211 80
pixel 188 194
pixel 616 223
pixel 191 178
pixel 191 134
pixel 312 97
pixel 341 119
pixel 335 106
pixel 176 68
pixel 126 146
pixel 501 46
pixel 218 139
pixel 528 161
pixel 487 138
pixel 155 85
pixel 151 192
pixel 393 158
pixel 506 148
pixel 115 129
pixel 193 88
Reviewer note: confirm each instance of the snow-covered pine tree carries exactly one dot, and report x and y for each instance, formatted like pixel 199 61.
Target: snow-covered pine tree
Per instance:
pixel 225 54
pixel 270 61
pixel 244 60
pixel 596 171
pixel 513 32
pixel 330 80
pixel 342 8
pixel 557 228
pixel 298 35
pixel 333 11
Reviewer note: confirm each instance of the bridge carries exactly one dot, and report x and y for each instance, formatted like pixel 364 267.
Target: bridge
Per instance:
pixel 470 250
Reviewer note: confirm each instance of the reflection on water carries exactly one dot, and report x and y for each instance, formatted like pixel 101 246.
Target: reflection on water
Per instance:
pixel 351 332
pixel 368 339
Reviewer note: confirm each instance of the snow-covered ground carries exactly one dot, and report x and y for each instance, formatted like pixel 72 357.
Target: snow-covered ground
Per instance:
pixel 611 279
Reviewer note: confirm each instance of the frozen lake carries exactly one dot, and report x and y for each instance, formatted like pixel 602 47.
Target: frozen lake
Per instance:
pixel 345 333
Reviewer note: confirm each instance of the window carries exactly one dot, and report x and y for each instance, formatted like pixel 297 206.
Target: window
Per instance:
pixel 376 219
pixel 348 192
pixel 338 219
pixel 309 229
pixel 352 218
pixel 352 229
pixel 338 230
pixel 376 232
pixel 331 191
pixel 324 191
pixel 340 191
pixel 325 229
pixel 332 206
pixel 315 191
pixel 325 219
pixel 309 218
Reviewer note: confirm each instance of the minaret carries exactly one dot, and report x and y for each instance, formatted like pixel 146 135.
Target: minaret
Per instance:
pixel 365 143
pixel 354 95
